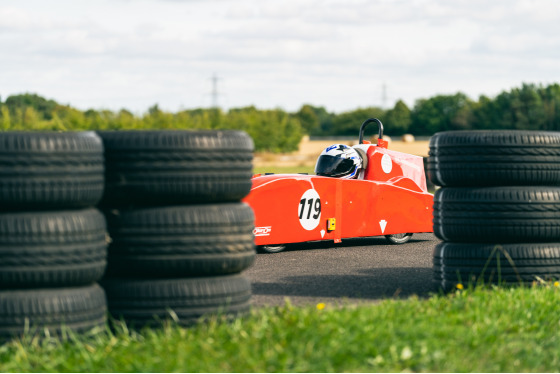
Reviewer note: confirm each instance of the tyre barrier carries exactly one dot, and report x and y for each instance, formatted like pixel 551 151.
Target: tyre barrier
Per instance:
pixel 498 208
pixel 181 240
pixel 180 234
pixel 49 170
pixel 176 167
pixel 53 246
pixel 150 302
pixel 36 311
pixel 494 158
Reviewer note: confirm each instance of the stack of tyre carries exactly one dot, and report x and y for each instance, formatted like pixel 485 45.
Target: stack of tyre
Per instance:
pixel 53 244
pixel 180 236
pixel 498 208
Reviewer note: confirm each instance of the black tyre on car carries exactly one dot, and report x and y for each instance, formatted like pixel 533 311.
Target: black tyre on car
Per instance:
pixel 398 238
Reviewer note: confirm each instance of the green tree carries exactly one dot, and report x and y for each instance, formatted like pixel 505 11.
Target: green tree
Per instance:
pixel 525 108
pixel 5 114
pixel 95 120
pixel 484 116
pixel 441 113
pixel 308 119
pixel 271 130
pixel 30 118
pixel 530 106
pixel 325 121
pixel 16 120
pixel 70 118
pixel 157 119
pixel 531 113
pixel 397 120
pixel 551 106
pixel 348 123
pixel 41 105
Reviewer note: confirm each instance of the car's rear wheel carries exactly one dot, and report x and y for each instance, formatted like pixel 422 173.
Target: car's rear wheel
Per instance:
pixel 272 248
pixel 398 238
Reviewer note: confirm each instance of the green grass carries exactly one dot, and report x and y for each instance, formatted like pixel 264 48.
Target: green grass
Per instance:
pixel 496 330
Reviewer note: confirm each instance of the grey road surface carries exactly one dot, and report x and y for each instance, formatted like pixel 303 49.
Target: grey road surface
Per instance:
pixel 354 271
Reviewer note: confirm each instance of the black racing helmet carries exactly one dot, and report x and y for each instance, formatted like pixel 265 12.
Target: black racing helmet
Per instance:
pixel 338 161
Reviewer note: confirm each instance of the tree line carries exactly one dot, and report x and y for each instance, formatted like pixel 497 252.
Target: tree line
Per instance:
pixel 529 107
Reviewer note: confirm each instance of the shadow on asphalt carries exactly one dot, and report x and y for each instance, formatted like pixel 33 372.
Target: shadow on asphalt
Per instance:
pixel 375 283
pixel 352 242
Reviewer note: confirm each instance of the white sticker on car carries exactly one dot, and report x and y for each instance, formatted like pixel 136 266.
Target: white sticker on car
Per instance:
pixel 309 209
pixel 383 224
pixel 386 163
pixel 262 231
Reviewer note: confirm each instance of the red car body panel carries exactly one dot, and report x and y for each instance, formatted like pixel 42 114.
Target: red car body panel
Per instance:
pixel 392 198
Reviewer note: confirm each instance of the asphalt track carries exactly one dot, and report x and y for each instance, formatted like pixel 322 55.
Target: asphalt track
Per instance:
pixel 354 271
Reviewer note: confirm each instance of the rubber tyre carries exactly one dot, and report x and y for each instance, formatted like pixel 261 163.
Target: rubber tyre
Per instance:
pixel 150 302
pixel 272 248
pixel 397 239
pixel 52 249
pixel 33 311
pixel 518 263
pixel 516 214
pixel 50 170
pixel 181 241
pixel 493 158
pixel 176 167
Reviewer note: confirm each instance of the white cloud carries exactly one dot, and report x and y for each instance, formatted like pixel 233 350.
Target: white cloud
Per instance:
pixel 335 53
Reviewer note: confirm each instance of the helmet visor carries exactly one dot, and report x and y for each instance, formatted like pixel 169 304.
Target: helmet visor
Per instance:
pixel 331 166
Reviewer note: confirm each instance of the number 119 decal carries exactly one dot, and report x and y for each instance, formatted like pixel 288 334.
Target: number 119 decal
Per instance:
pixel 309 209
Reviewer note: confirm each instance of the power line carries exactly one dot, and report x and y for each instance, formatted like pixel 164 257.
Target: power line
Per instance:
pixel 384 95
pixel 215 92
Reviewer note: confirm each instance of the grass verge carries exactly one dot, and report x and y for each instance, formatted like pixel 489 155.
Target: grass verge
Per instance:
pixel 496 330
pixel 284 169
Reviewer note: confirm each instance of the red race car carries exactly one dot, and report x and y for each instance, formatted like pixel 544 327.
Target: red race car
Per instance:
pixel 360 191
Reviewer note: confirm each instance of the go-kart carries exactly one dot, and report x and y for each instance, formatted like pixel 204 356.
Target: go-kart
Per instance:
pixel 391 200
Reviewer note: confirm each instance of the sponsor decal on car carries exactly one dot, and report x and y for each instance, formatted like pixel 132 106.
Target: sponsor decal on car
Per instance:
pixel 262 231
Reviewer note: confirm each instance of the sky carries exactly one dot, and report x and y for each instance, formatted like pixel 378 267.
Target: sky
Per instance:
pixel 339 54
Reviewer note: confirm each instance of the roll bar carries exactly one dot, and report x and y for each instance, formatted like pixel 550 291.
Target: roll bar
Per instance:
pixel 364 125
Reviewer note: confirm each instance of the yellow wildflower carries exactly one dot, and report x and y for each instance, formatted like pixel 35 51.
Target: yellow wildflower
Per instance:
pixel 459 286
pixel 556 284
pixel 321 306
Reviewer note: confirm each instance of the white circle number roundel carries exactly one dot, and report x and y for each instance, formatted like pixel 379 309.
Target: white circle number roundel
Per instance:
pixel 309 209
